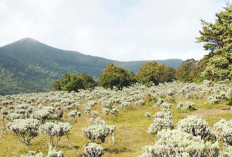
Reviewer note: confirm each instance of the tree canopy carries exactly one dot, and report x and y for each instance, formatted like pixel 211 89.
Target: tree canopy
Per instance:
pixel 156 73
pixel 217 38
pixel 188 71
pixel 116 76
pixel 73 82
pixel 88 81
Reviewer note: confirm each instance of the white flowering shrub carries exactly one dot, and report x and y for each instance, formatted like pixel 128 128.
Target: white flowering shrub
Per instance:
pixel 41 106
pixel 125 105
pixel 54 153
pixel 159 102
pixel 114 111
pixel 105 111
pixel 93 150
pixel 4 113
pixel 72 106
pixel 159 124
pixel 57 130
pixel 225 151
pixel 33 154
pixel 94 113
pixel 184 106
pixel 43 113
pixel 163 114
pixel 166 106
pixel 195 126
pixel 96 121
pixel 13 116
pixel 140 102
pixel 24 109
pixel 214 99
pixel 170 92
pixel 107 104
pixel 24 129
pixel 98 132
pixel 87 109
pixel 72 114
pixel 175 143
pixel 91 103
pixel 223 129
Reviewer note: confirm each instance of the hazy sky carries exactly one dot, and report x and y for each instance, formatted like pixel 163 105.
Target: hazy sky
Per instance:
pixel 114 29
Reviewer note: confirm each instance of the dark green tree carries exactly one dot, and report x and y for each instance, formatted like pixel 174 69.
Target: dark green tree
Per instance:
pixel 155 73
pixel 88 81
pixel 56 85
pixel 217 38
pixel 188 71
pixel 116 76
pixel 69 82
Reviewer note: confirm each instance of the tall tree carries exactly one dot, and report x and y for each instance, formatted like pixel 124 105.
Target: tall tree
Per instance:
pixel 88 81
pixel 217 38
pixel 116 76
pixel 188 71
pixel 156 73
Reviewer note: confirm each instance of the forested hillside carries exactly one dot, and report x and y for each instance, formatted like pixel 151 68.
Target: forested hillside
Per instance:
pixel 28 65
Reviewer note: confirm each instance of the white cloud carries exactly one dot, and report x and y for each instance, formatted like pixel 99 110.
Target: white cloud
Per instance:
pixel 115 29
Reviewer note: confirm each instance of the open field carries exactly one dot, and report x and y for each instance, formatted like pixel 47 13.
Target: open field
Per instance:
pixel 131 124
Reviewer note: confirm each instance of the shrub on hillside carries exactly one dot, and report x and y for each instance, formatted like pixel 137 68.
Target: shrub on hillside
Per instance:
pixel 24 129
pixel 88 81
pixel 93 150
pixel 188 71
pixel 116 76
pixel 195 126
pixel 178 143
pixel 73 82
pixel 155 73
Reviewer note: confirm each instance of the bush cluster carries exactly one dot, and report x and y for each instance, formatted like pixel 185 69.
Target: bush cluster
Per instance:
pixel 73 82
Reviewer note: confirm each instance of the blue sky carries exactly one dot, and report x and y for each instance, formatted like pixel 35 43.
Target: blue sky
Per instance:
pixel 115 29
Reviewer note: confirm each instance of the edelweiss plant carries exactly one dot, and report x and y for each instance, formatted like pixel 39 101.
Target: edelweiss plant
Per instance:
pixel 184 106
pixel 24 129
pixel 177 143
pixel 98 132
pixel 159 124
pixel 223 129
pixel 163 114
pixel 93 150
pixel 195 126
pixel 57 130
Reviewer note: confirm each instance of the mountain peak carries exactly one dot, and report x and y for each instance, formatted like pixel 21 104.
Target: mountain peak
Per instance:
pixel 27 40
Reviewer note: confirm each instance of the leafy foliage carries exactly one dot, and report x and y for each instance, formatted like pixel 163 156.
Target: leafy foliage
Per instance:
pixel 88 81
pixel 218 68
pixel 73 82
pixel 188 71
pixel 217 39
pixel 155 73
pixel 116 76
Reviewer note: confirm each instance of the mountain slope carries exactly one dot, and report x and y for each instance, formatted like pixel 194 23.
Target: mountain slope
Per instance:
pixel 28 65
